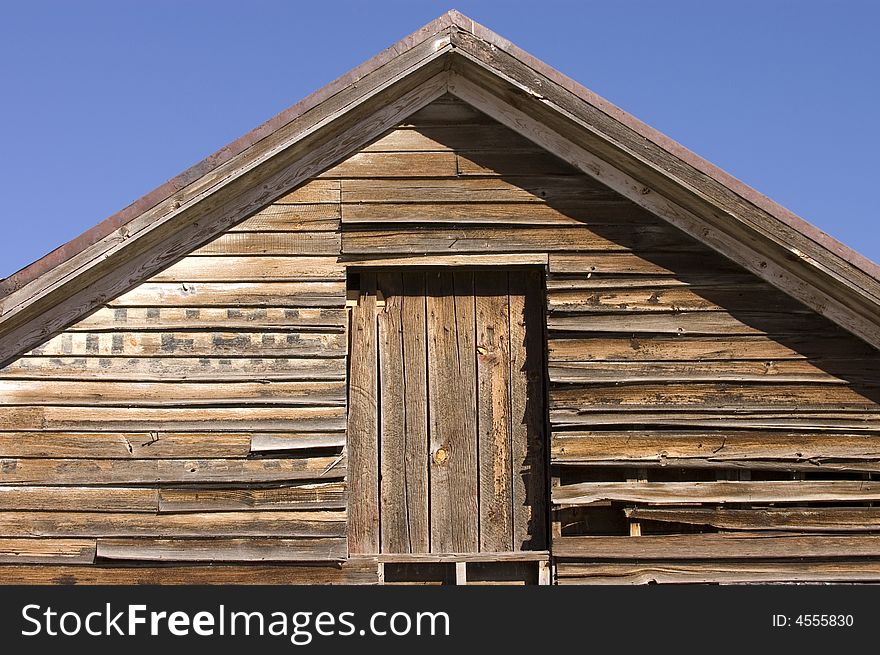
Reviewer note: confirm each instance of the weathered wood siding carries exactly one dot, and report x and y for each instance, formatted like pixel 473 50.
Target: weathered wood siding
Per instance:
pixel 675 376
pixel 198 418
pixel 705 427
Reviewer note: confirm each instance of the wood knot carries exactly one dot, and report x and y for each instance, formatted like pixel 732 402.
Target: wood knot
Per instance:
pixel 441 455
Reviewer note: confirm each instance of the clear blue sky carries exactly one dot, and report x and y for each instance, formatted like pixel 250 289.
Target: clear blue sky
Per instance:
pixel 103 101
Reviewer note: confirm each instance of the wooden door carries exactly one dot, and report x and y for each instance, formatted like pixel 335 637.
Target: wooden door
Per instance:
pixel 446 412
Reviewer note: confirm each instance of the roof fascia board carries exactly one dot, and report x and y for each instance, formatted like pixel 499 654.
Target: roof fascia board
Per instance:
pixel 732 247
pixel 729 182
pixel 621 145
pixel 405 65
pixel 415 67
pixel 429 38
pixel 40 312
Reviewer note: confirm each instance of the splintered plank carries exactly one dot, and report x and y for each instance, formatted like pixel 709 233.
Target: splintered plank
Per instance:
pixel 272 442
pixel 702 448
pixel 124 445
pixel 742 297
pixel 225 294
pixel 348 573
pixel 716 572
pixel 415 380
pixel 321 495
pixel 221 318
pixel 156 369
pixel 272 243
pixel 527 410
pixel 153 471
pixel 546 189
pixel 223 550
pixel 47 551
pixel 826 519
pixel 124 419
pixel 494 418
pixel 452 382
pixel 714 396
pixel 739 491
pixel 251 269
pixel 766 545
pixel 212 524
pixel 598 214
pixel 175 344
pixel 170 394
pixel 392 422
pixel 363 424
pixel 79 499
pixel 529 239
pixel 279 217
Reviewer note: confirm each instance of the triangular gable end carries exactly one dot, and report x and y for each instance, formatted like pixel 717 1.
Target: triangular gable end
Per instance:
pixel 451 55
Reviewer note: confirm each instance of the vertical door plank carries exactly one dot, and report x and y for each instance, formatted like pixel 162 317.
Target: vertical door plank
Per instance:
pixel 392 418
pixel 493 374
pixel 363 429
pixel 452 401
pixel 464 467
pixel 416 410
pixel 440 303
pixel 527 400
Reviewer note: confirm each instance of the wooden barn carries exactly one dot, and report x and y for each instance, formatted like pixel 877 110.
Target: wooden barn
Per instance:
pixel 451 319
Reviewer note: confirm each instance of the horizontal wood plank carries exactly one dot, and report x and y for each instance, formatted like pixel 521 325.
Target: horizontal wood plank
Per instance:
pixel 684 572
pixel 691 298
pixel 124 445
pixel 832 371
pixel 171 394
pixel 309 495
pixel 275 442
pixel 220 318
pixel 715 396
pixel 79 499
pixel 398 164
pixel 532 239
pixel 762 491
pixel 825 519
pixel 279 217
pixel 662 348
pixel 157 369
pixel 642 447
pixel 223 550
pixel 482 215
pixel 47 551
pixel 251 269
pixel 153 471
pixel 124 419
pixel 210 524
pixel 244 294
pixel 272 243
pixel 174 344
pixel 543 189
pixel 349 573
pixel 739 546
pixel 312 191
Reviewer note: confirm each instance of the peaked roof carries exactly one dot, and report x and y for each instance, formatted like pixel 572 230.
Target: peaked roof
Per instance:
pixel 456 55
